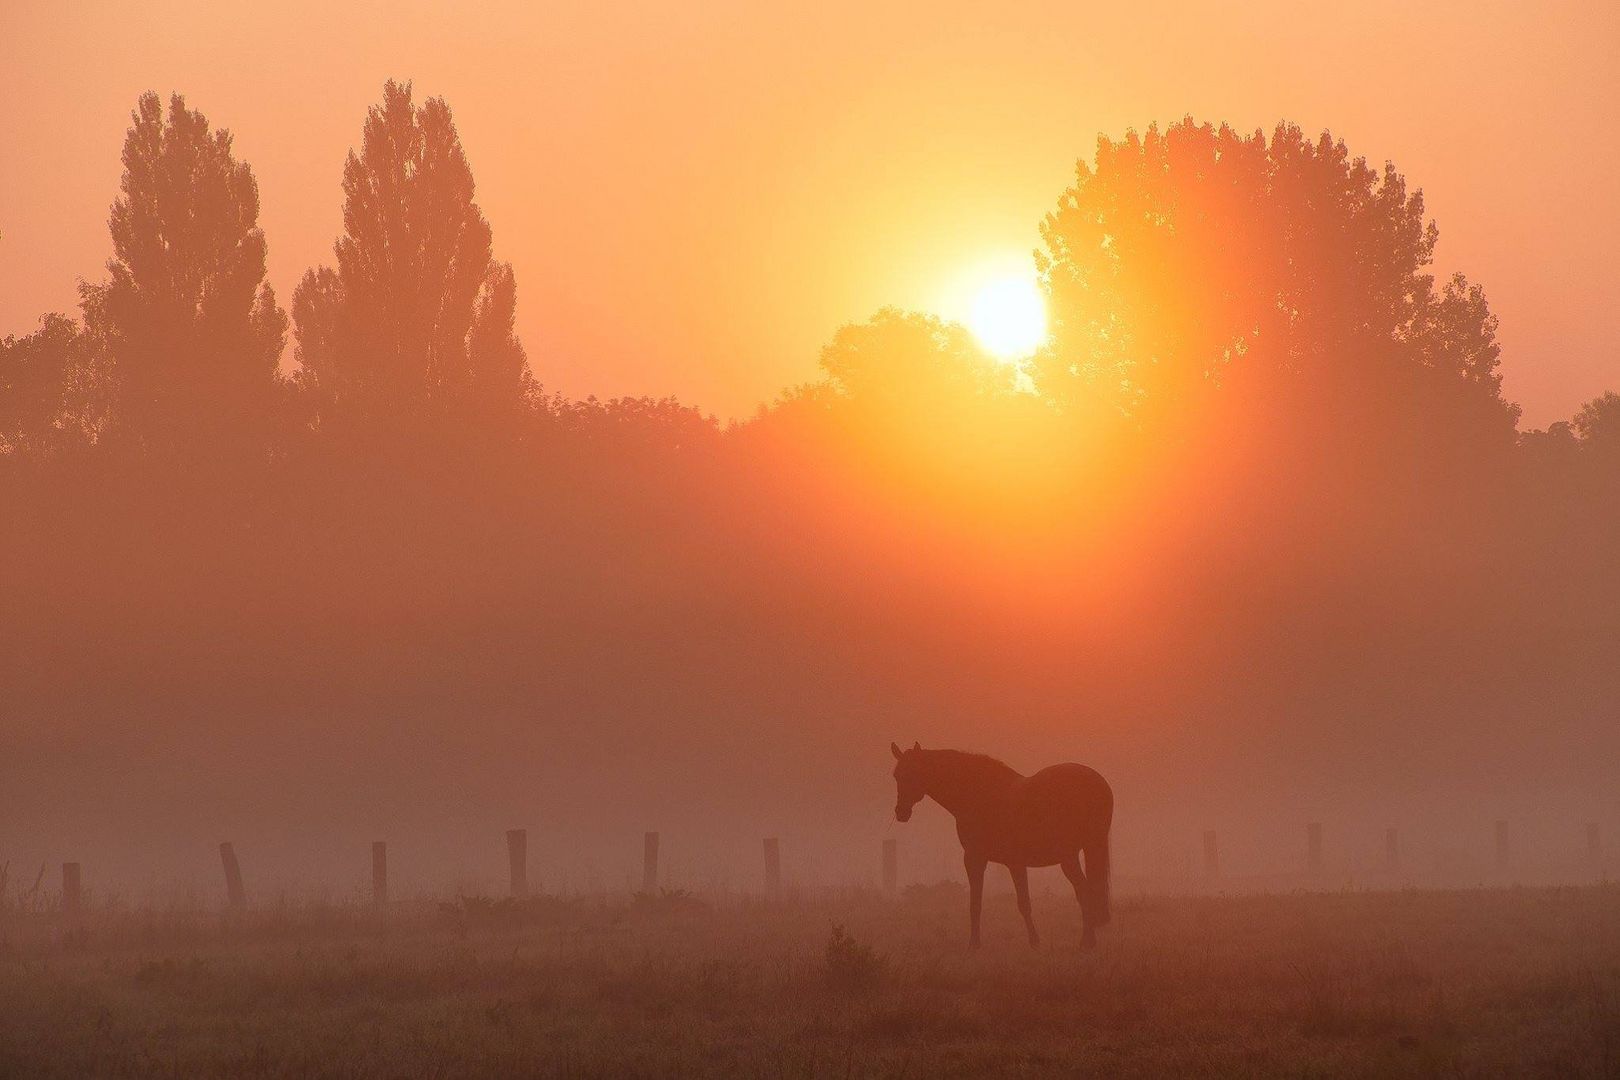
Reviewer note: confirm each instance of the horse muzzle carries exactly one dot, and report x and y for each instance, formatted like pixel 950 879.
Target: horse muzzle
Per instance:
pixel 902 813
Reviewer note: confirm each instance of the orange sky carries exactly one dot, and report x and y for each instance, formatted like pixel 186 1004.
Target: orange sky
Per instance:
pixel 696 195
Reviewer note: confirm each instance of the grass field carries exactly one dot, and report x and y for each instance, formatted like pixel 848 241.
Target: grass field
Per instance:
pixel 1470 983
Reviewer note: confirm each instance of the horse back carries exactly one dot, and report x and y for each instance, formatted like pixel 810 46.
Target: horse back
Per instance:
pixel 1059 810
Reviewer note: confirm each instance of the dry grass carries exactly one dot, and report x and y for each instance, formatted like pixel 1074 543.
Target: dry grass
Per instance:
pixel 1522 982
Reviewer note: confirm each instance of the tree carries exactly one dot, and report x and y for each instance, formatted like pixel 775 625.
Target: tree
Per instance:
pixel 898 357
pixel 416 319
pixel 52 389
pixel 1597 424
pixel 192 329
pixel 913 412
pixel 498 377
pixel 1194 258
pixel 907 388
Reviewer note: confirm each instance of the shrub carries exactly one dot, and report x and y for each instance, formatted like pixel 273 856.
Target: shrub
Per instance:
pixel 851 965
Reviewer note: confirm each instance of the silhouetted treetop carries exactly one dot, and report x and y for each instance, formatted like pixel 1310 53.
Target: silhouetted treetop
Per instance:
pixel 901 356
pixel 52 389
pixel 639 426
pixel 1186 259
pixel 192 329
pixel 498 368
pixel 416 314
pixel 1597 424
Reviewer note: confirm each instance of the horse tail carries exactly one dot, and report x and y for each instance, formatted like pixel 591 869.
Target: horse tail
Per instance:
pixel 1097 881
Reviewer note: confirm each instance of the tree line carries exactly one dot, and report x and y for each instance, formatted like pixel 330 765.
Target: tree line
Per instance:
pixel 1181 266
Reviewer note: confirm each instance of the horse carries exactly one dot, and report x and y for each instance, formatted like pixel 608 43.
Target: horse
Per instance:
pixel 1019 821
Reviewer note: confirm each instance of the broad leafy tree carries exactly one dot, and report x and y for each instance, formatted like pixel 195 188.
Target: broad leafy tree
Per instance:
pixel 52 389
pixel 1597 424
pixel 899 356
pixel 1193 258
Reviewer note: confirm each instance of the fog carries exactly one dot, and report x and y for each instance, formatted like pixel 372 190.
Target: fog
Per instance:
pixel 1254 534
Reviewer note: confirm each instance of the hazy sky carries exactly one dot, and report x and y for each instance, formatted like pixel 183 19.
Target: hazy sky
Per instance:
pixel 696 195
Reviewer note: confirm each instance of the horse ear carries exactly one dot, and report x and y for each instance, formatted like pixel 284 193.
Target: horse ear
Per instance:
pixel 894 749
pixel 916 746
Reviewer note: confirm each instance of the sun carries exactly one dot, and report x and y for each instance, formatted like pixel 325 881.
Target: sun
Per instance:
pixel 1008 316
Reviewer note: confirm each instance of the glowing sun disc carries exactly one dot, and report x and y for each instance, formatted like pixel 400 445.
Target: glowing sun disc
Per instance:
pixel 1009 317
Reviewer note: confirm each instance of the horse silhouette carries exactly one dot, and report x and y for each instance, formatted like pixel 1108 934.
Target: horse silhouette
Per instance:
pixel 1019 821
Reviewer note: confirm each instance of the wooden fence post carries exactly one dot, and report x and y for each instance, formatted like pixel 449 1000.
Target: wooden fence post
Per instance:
pixel 379 872
pixel 1313 845
pixel 234 892
pixel 1501 844
pixel 891 866
pixel 1392 850
pixel 649 863
pixel 1212 861
pixel 773 866
pixel 517 854
pixel 72 896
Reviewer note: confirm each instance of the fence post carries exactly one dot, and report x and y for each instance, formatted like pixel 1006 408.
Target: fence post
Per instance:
pixel 649 863
pixel 1313 844
pixel 234 892
pixel 1392 850
pixel 773 866
pixel 71 893
pixel 1212 861
pixel 891 866
pixel 379 872
pixel 517 854
pixel 1501 844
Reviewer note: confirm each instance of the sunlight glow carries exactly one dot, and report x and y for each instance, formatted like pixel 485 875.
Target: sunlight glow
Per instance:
pixel 1009 317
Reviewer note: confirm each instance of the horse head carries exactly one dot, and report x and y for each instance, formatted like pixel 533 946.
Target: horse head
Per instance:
pixel 909 781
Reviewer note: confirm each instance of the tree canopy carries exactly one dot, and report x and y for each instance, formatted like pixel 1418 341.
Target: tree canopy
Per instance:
pixel 1598 422
pixel 191 328
pixel 1196 257
pixel 52 389
pixel 416 321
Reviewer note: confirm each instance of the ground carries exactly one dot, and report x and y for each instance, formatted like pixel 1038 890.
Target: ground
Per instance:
pixel 1471 983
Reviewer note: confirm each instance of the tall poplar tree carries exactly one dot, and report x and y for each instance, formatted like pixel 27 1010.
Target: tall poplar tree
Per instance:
pixel 415 322
pixel 191 329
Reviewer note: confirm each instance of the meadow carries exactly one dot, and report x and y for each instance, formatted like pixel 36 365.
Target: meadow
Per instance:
pixel 1486 982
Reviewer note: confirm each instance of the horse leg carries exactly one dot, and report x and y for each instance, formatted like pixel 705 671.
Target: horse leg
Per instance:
pixel 1077 878
pixel 975 872
pixel 1020 878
